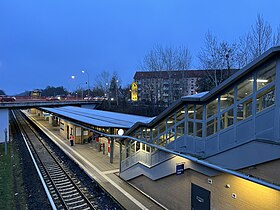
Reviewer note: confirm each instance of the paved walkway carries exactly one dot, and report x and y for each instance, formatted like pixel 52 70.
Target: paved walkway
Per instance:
pixel 98 166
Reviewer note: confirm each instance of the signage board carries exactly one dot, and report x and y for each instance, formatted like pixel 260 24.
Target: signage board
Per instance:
pixel 134 91
pixel 180 168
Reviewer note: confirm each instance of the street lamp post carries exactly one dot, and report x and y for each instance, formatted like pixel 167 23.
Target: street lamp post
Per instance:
pixel 72 78
pixel 87 81
pixel 107 90
pixel 80 87
pixel 117 90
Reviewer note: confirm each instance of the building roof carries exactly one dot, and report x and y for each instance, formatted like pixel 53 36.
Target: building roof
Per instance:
pixel 98 118
pixel 198 95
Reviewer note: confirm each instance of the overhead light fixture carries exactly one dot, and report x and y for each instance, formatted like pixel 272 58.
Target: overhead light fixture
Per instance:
pixel 190 111
pixel 262 80
pixel 169 121
pixel 223 99
pixel 259 80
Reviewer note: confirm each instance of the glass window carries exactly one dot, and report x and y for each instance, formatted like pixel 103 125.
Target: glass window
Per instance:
pixel 199 129
pixel 190 111
pixel 212 108
pixel 180 114
pixel 162 140
pixel 137 146
pixel 199 112
pixel 155 132
pixel 170 136
pixel 245 88
pixel 132 148
pixel 265 99
pixel 170 121
pixel 265 76
pixel 244 110
pixel 227 99
pixel 180 129
pixel 211 127
pixel 137 133
pixel 162 127
pixel 148 148
pixel 226 119
pixel 143 146
pixel 146 134
pixel 190 128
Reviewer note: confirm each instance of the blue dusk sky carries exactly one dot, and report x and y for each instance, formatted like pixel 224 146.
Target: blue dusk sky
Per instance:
pixel 45 42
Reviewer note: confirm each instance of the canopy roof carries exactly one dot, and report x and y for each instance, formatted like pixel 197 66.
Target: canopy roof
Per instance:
pixel 98 118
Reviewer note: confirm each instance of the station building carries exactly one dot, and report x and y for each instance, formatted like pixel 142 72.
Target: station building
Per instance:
pixel 235 126
pixel 213 150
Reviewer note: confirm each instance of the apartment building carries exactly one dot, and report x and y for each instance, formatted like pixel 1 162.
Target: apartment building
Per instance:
pixel 167 86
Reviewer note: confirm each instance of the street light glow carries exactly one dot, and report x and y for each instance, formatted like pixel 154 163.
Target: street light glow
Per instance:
pixel 87 82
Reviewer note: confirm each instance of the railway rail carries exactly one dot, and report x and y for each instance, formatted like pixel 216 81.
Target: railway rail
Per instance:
pixel 63 189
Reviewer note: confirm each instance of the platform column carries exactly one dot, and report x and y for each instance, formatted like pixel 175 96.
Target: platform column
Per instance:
pixel 4 125
pixel 111 149
pixel 120 144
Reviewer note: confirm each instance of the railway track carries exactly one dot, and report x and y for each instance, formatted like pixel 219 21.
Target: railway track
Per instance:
pixel 63 189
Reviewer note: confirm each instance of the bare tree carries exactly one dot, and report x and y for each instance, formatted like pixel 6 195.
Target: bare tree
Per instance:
pixel 115 86
pixel 218 59
pixel 243 54
pixel 259 39
pixel 166 59
pixel 102 81
pixel 260 36
pixel 276 37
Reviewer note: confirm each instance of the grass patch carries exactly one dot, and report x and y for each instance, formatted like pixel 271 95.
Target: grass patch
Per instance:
pixel 11 182
pixel 6 178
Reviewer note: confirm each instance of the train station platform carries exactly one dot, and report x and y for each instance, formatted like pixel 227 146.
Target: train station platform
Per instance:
pixel 97 165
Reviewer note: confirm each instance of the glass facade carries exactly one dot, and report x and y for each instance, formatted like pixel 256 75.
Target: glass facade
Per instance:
pixel 190 111
pixel 226 119
pixel 211 127
pixel 265 76
pixel 265 99
pixel 180 115
pixel 244 99
pixel 227 99
pixel 199 112
pixel 244 110
pixel 212 108
pixel 245 88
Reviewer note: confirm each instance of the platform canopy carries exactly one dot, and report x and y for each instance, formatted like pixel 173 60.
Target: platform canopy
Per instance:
pixel 97 117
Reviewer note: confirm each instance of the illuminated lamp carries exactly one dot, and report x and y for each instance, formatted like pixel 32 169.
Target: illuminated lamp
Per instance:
pixel 120 132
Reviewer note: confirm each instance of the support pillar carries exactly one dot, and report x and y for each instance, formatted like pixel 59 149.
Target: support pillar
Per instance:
pixel 4 125
pixel 111 149
pixel 120 167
